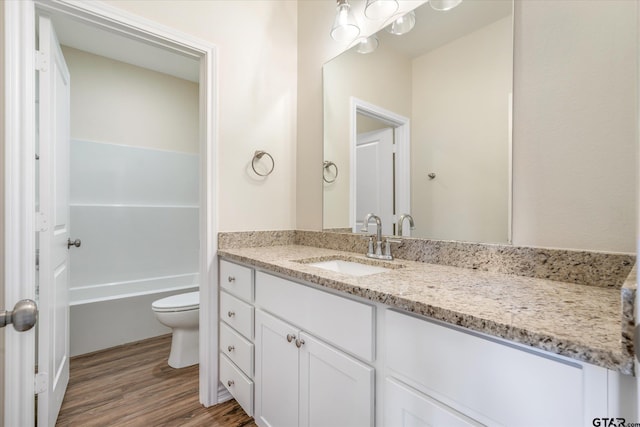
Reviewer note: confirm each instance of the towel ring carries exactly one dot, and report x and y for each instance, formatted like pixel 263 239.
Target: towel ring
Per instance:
pixel 257 156
pixel 327 164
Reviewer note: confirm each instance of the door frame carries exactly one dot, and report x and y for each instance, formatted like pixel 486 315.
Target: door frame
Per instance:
pixel 19 182
pixel 402 139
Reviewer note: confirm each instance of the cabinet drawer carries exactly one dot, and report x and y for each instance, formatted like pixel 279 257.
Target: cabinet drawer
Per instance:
pixel 405 407
pixel 237 348
pixel 238 314
pixel 237 280
pixel 490 381
pixel 240 387
pixel 342 322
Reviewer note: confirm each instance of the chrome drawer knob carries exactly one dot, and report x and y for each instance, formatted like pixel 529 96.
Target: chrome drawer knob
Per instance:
pixel 290 337
pixel 299 343
pixel 231 348
pixel 231 314
pixel 231 279
pixel 230 383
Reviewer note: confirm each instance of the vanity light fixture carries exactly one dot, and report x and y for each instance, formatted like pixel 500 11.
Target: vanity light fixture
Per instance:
pixel 403 25
pixel 444 5
pixel 367 44
pixel 380 9
pixel 345 27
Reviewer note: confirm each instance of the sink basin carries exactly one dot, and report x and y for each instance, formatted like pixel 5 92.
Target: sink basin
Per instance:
pixel 349 267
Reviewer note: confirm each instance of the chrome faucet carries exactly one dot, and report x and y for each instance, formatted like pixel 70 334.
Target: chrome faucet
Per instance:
pixel 401 221
pixel 377 253
pixel 365 229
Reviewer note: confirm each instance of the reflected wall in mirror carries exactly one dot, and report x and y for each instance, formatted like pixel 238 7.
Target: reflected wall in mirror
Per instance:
pixel 433 102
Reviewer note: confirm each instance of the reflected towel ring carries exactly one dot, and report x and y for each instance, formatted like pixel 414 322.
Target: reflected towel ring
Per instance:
pixel 257 156
pixel 327 165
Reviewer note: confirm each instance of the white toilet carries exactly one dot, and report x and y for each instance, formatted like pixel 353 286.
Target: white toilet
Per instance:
pixel 181 313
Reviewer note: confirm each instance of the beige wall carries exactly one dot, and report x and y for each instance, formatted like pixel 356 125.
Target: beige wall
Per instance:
pixel 575 137
pixel 257 60
pixel 382 78
pixel 120 103
pixel 460 132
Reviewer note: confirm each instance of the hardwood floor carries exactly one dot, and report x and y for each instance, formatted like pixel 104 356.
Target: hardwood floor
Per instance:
pixel 132 385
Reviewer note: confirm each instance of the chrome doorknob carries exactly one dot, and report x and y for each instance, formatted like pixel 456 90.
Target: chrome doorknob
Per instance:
pixel 75 243
pixel 23 316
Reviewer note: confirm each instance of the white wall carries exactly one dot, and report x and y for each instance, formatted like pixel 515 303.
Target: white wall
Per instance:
pixel 119 103
pixel 382 78
pixel 257 61
pixel 460 132
pixel 575 125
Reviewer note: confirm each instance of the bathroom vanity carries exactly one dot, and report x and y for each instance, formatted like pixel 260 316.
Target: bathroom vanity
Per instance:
pixel 416 344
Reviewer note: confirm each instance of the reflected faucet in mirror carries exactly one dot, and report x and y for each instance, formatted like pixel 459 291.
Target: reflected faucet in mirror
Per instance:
pixel 401 221
pixel 365 229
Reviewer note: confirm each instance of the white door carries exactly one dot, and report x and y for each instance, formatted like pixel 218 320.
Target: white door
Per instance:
pixel 276 372
pixel 53 321
pixel 335 389
pixel 374 179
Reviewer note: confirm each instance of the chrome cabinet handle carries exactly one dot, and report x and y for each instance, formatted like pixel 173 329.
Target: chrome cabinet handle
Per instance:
pixel 23 316
pixel 230 383
pixel 299 343
pixel 290 337
pixel 231 348
pixel 231 314
pixel 75 243
pixel 231 279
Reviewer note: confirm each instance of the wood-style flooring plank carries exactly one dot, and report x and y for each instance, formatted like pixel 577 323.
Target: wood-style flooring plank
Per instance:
pixel 132 385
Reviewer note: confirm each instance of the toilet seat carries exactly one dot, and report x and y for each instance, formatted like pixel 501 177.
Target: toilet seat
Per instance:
pixel 181 302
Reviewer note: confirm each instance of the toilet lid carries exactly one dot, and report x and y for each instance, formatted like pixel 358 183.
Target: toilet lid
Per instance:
pixel 181 302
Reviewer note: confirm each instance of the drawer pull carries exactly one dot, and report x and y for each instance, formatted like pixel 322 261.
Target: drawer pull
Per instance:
pixel 290 337
pixel 231 314
pixel 231 279
pixel 230 383
pixel 299 343
pixel 231 348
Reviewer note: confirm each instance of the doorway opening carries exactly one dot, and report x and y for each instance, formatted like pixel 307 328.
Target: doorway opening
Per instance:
pixel 380 169
pixel 20 147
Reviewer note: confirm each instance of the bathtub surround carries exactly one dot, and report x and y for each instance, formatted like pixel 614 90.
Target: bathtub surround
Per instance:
pixel 136 211
pixel 585 312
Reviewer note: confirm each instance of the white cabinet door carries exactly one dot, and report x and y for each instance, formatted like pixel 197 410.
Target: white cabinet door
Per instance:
pixel 335 389
pixel 404 407
pixel 276 378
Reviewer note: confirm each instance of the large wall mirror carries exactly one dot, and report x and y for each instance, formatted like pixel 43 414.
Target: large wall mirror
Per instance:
pixel 422 126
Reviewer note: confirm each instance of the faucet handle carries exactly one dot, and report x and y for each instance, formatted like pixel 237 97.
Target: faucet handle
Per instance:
pixel 387 247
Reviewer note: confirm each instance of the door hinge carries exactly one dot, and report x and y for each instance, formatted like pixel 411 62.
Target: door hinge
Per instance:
pixel 41 61
pixel 41 383
pixel 42 223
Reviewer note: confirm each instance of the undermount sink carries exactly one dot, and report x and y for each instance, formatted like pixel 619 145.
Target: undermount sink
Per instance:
pixel 349 267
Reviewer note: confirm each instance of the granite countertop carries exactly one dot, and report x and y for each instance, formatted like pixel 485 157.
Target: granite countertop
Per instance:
pixel 578 321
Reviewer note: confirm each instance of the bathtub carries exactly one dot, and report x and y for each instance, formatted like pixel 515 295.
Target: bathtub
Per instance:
pixel 109 315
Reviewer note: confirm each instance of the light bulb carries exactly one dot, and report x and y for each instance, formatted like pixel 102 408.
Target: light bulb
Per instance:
pixel 380 9
pixel 367 45
pixel 345 27
pixel 444 5
pixel 403 25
